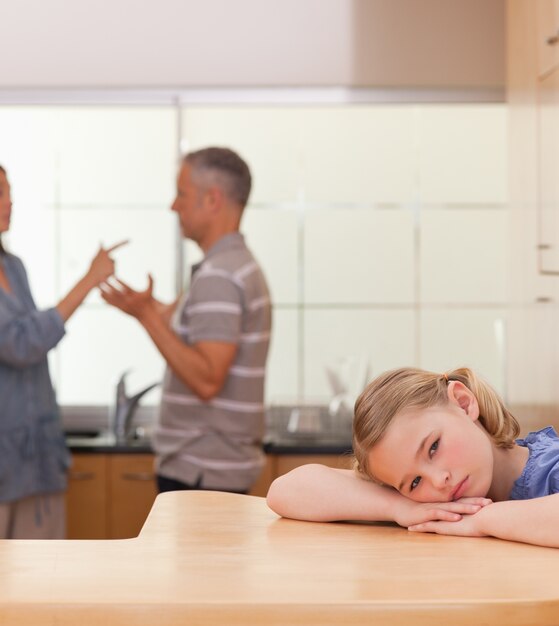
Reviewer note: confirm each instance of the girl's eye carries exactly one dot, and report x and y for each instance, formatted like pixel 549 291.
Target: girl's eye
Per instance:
pixel 434 447
pixel 415 482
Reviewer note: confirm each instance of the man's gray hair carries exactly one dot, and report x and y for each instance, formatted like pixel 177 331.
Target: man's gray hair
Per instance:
pixel 223 168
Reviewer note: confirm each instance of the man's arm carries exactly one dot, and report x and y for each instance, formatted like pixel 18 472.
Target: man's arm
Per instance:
pixel 203 367
pixel 323 494
pixel 166 311
pixel 532 521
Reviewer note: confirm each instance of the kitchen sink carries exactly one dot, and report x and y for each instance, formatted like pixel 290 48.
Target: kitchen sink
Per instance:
pixel 105 439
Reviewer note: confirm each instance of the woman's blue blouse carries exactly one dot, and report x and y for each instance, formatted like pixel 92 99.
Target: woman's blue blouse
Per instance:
pixel 33 454
pixel 540 476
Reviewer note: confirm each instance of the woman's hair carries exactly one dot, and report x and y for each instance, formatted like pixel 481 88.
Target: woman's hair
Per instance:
pixel 2 249
pixel 408 388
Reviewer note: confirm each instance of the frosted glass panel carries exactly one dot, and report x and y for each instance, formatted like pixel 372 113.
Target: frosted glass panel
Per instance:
pixel 321 154
pixel 347 218
pixel 28 138
pixel 117 155
pixel 463 154
pixel 464 255
pixel 268 138
pixel 282 373
pixel 272 237
pixel 101 343
pixel 27 149
pixel 354 256
pixel 359 154
pixel 151 248
pixel 386 338
pixel 32 237
pixel 465 337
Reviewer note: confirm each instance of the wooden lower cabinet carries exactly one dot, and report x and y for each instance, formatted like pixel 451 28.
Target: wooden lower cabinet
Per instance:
pixel 278 464
pixel 132 491
pixel 87 497
pixel 109 495
pixel 286 462
pixel 260 488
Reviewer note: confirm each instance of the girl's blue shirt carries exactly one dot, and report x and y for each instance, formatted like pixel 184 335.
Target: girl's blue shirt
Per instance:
pixel 540 476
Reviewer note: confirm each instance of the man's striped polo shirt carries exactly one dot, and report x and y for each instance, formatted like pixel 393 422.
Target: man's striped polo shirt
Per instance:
pixel 218 443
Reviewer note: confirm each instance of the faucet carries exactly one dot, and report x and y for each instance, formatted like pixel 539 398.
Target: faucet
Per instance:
pixel 125 407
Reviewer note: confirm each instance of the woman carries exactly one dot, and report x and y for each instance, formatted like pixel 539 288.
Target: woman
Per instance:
pixel 33 455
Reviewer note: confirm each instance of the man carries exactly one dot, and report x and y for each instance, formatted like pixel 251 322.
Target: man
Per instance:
pixel 211 419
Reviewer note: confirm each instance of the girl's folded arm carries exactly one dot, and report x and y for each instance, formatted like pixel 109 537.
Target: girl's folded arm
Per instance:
pixel 324 494
pixel 319 493
pixel 530 521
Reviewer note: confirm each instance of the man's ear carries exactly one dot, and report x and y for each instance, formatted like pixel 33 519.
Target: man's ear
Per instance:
pixel 214 198
pixel 461 396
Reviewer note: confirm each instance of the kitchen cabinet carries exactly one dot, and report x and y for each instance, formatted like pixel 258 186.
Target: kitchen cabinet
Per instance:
pixel 109 495
pixel 533 110
pixel 86 498
pixel 548 35
pixel 260 487
pixel 284 463
pixel 548 141
pixel 131 493
pixel 278 464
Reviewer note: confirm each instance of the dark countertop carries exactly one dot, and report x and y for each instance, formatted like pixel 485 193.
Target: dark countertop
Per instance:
pixel 106 443
pixel 88 430
pixel 307 446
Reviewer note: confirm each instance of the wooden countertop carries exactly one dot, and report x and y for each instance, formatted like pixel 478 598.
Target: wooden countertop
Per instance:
pixel 216 558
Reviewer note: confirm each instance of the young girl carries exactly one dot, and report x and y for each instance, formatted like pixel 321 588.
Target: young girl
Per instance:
pixel 435 453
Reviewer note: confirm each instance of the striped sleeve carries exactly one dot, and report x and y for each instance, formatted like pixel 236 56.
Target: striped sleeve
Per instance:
pixel 214 308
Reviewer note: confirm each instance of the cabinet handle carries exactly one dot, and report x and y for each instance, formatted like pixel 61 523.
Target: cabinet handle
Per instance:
pixel 145 476
pixel 82 475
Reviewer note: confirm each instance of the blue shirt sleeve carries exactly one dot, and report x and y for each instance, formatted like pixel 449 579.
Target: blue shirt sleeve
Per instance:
pixel 26 334
pixel 26 339
pixel 540 476
pixel 554 480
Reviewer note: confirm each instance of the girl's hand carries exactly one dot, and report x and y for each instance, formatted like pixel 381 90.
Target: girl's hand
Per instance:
pixel 420 516
pixel 467 526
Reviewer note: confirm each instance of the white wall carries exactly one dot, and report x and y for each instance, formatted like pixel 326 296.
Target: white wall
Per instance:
pixel 186 43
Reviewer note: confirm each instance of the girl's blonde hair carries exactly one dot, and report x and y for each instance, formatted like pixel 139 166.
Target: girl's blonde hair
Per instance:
pixel 408 388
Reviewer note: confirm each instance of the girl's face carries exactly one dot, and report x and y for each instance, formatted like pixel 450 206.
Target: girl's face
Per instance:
pixel 437 454
pixel 5 203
